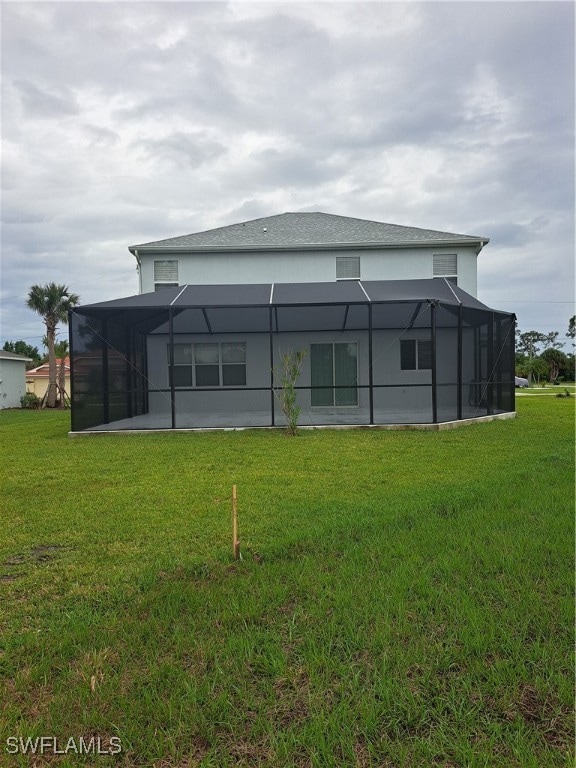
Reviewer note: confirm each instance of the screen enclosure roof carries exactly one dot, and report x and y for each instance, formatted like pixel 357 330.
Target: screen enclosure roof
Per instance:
pixel 283 307
pixel 344 292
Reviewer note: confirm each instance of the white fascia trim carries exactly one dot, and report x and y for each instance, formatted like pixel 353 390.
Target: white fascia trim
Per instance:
pixel 307 246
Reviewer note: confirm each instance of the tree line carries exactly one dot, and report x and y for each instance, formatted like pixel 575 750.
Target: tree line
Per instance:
pixel 540 356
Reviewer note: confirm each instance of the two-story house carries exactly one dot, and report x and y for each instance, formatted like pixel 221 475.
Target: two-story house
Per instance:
pixel 386 316
pixel 312 247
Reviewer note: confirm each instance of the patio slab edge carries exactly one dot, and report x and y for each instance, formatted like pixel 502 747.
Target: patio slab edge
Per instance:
pixel 440 427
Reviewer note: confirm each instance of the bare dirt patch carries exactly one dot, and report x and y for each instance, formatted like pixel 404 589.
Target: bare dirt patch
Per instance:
pixel 19 563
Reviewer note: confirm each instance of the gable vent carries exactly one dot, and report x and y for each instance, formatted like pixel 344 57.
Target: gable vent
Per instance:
pixel 166 271
pixel 347 267
pixel 445 265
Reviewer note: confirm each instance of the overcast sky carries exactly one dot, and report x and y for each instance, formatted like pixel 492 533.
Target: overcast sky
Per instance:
pixel 128 122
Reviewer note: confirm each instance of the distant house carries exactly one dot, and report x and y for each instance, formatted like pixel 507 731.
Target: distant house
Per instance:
pixel 308 247
pixel 12 378
pixel 37 378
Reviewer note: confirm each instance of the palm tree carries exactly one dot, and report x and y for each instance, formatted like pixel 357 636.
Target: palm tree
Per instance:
pixel 52 302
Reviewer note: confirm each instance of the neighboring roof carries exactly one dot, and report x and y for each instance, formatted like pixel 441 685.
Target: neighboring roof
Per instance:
pixel 13 356
pixel 43 370
pixel 308 231
pixel 282 294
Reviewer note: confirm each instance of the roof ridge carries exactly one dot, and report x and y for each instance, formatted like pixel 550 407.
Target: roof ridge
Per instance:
pixel 307 228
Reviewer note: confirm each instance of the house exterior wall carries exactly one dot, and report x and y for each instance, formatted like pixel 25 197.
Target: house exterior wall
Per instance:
pixel 406 392
pixel 12 382
pixel 211 268
pixel 39 384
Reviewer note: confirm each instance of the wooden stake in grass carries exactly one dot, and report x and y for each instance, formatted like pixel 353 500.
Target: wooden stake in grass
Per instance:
pixel 235 542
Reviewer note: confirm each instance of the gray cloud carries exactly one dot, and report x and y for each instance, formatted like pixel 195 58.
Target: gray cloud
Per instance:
pixel 8 216
pixel 40 103
pixel 189 148
pixel 272 167
pixel 100 135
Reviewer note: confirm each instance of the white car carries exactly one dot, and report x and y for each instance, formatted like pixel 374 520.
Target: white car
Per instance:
pixel 520 382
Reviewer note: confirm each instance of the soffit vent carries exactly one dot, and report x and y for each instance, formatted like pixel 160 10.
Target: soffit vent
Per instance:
pixel 445 264
pixel 348 268
pixel 166 271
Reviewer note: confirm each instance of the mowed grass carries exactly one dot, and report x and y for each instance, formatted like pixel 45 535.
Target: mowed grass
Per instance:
pixel 404 598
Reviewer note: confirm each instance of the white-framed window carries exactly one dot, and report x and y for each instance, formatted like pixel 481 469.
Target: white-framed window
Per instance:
pixel 213 364
pixel 347 267
pixel 165 274
pixel 415 354
pixel 334 374
pixel 182 364
pixel 445 265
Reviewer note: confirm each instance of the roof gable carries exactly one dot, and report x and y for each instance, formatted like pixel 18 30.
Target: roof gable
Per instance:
pixel 43 370
pixel 308 230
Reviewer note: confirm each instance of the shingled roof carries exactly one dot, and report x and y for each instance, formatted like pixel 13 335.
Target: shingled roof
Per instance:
pixel 4 355
pixel 43 371
pixel 308 231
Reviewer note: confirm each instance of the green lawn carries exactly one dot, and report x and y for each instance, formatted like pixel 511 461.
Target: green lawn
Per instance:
pixel 404 598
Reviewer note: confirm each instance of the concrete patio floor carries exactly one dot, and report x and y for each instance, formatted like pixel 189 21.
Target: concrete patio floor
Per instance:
pixel 261 419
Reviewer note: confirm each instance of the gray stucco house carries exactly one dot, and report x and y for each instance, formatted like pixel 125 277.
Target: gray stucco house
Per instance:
pixel 308 247
pixel 12 378
pixel 193 351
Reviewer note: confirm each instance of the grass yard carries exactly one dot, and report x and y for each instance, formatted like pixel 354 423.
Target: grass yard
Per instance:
pixel 404 598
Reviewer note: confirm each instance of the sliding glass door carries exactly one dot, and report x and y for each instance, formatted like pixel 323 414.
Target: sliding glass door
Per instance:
pixel 334 371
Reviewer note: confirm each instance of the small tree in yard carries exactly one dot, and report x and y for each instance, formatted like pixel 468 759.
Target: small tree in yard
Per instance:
pixel 52 302
pixel 287 375
pixel 555 360
pixel 531 367
pixel 528 344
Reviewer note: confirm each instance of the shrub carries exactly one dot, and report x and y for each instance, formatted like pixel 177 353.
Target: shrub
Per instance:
pixel 30 400
pixel 287 374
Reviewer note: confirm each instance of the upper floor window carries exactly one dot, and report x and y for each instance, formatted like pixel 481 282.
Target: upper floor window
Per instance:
pixel 165 274
pixel 347 267
pixel 445 265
